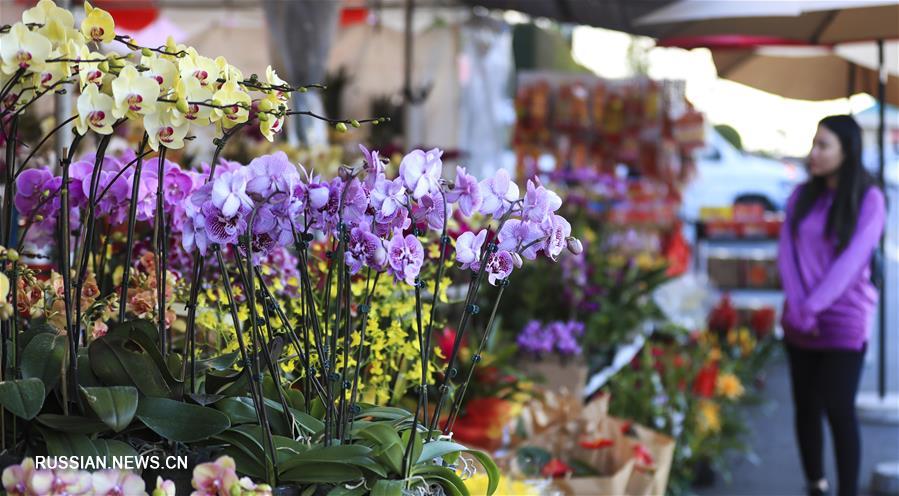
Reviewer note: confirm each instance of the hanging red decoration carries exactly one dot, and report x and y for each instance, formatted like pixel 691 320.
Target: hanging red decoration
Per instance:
pixel 353 15
pixel 133 15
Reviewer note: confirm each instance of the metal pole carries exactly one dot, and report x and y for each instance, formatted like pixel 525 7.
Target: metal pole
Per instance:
pixel 408 97
pixel 881 341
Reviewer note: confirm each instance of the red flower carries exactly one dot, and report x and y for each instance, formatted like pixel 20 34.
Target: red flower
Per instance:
pixel 597 443
pixel 704 384
pixel 445 341
pixel 556 468
pixel 724 316
pixel 644 458
pixel 762 322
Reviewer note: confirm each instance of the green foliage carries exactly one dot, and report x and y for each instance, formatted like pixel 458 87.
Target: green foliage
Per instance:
pixel 730 134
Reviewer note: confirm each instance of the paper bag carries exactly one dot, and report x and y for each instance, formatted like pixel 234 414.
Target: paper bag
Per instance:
pixel 554 375
pixel 651 480
pixel 615 462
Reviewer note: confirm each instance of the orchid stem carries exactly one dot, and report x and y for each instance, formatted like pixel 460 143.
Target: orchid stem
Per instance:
pixel 132 221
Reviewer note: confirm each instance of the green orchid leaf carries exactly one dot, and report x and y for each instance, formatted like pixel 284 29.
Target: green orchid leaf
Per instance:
pixel 115 405
pixel 23 397
pixel 72 424
pixel 388 488
pixel 181 422
pixel 121 361
pixel 43 359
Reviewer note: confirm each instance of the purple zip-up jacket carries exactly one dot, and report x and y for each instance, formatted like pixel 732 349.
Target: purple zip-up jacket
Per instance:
pixel 830 299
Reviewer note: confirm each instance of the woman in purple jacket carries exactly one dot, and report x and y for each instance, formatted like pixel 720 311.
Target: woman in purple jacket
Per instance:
pixel 833 225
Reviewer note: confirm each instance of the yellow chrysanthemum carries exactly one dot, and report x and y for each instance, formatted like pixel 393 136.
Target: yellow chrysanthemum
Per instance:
pixel 729 386
pixel 709 417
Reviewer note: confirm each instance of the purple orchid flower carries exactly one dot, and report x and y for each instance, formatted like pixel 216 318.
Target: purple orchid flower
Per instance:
pixel 421 171
pixel 405 256
pixel 466 192
pixel 517 235
pixel 229 193
pixel 499 266
pixel 270 175
pixel 355 202
pixel 176 185
pixel 193 230
pixel 400 221
pixel 539 202
pixel 222 228
pixel 557 230
pixel 468 249
pixel 388 198
pixel 30 186
pixel 432 211
pixel 364 248
pixel 373 167
pixel 498 193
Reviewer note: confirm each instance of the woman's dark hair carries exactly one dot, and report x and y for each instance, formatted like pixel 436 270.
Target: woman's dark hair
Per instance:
pixel 853 182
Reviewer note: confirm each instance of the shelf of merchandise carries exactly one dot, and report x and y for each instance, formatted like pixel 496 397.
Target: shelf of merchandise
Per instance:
pixel 742 248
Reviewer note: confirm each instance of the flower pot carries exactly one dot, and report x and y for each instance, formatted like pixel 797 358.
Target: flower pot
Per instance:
pixel 289 490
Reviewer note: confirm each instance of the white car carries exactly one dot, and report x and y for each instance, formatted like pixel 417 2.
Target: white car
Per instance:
pixel 726 175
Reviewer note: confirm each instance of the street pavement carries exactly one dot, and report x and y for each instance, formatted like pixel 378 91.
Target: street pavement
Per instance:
pixel 775 469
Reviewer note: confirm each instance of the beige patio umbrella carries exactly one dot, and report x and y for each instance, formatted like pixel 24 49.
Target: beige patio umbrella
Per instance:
pixel 824 74
pixel 813 21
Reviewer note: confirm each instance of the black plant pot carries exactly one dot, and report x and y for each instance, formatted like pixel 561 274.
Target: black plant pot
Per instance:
pixel 286 491
pixel 703 474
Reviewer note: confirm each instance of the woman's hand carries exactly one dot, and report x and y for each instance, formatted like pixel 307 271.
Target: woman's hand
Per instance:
pixel 794 318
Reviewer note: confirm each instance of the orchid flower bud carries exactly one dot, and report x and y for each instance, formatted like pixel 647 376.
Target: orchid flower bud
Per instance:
pixel 575 246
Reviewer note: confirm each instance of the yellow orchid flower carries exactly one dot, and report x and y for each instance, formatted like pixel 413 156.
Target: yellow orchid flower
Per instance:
pixel 21 48
pixel 162 70
pixel 272 77
pixel 134 94
pixel 94 111
pixel 98 25
pixel 58 23
pixel 52 72
pixel 194 65
pixel 226 72
pixel 269 124
pixel 173 48
pixel 73 50
pixel 236 104
pixel 188 92
pixel 90 72
pixel 162 129
pixel 46 11
pixel 4 286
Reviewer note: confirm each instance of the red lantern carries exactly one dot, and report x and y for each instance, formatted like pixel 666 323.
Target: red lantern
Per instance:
pixel 133 15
